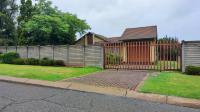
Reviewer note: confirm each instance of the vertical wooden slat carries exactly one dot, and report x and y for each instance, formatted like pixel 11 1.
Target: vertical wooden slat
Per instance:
pixel 136 52
pixel 178 61
pixel 124 55
pixel 170 54
pixel 164 52
pixel 129 54
pixel 149 56
pixel 157 56
pixel 119 55
pixel 109 56
pixel 144 53
pixel 174 55
pixel 160 53
pixel 180 55
pixel 167 55
pixel 107 52
pixel 133 55
pixel 115 54
pixel 141 55
pixel 154 55
pixel 113 51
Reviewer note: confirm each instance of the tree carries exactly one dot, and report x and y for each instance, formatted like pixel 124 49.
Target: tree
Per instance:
pixel 26 12
pixel 8 9
pixel 44 29
pixel 48 25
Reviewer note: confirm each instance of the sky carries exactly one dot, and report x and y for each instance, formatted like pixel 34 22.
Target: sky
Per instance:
pixel 176 18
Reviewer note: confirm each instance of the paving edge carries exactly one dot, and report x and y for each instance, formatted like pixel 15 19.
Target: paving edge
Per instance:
pixel 179 101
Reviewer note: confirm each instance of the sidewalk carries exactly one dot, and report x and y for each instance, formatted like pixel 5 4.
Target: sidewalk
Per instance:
pixel 193 103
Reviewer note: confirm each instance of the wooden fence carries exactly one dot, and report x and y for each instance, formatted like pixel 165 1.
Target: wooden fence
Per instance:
pixel 146 55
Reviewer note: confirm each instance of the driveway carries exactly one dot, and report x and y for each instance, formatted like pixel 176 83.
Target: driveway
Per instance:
pixel 27 98
pixel 127 79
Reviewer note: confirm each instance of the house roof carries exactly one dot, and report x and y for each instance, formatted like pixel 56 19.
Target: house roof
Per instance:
pixel 149 32
pixel 96 35
pixel 113 39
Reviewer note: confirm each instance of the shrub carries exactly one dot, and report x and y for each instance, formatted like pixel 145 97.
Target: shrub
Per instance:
pixel 0 58
pixel 192 70
pixel 9 57
pixel 46 62
pixel 19 61
pixel 113 59
pixel 31 61
pixel 59 63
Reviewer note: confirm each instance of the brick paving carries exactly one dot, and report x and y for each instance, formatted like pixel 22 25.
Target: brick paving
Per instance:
pixel 127 79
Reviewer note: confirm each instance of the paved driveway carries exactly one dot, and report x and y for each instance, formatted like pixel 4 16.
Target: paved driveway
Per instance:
pixel 127 79
pixel 26 98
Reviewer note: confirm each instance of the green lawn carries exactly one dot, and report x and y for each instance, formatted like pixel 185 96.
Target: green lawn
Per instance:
pixel 44 72
pixel 173 84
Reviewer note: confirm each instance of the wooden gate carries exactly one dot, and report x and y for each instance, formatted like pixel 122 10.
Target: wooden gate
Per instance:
pixel 145 55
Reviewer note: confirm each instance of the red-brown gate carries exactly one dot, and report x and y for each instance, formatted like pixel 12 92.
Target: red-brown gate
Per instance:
pixel 146 55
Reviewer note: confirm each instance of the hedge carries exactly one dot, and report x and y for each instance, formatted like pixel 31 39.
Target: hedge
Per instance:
pixel 192 70
pixel 8 58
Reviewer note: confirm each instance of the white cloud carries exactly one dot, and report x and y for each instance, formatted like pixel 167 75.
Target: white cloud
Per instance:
pixel 110 17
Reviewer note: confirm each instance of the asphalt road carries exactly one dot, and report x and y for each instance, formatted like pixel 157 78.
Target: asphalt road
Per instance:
pixel 26 98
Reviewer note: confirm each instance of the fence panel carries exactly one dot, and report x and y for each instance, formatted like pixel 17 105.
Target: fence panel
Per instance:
pixel 190 53
pixel 46 52
pixel 61 53
pixel 22 50
pixel 34 52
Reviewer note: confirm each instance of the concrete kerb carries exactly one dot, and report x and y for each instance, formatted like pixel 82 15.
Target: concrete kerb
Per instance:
pixel 186 102
pixel 99 89
pixel 36 82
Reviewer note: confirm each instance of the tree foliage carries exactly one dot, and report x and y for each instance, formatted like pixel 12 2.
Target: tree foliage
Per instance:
pixel 26 12
pixel 8 9
pixel 48 25
pixel 45 29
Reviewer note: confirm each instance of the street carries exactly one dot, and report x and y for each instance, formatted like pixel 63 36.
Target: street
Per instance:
pixel 27 98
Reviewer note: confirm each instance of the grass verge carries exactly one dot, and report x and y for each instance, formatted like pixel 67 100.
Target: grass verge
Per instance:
pixel 173 84
pixel 44 72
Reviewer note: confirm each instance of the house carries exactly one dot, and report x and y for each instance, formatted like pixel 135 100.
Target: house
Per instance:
pixel 142 48
pixel 91 39
pixel 143 38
